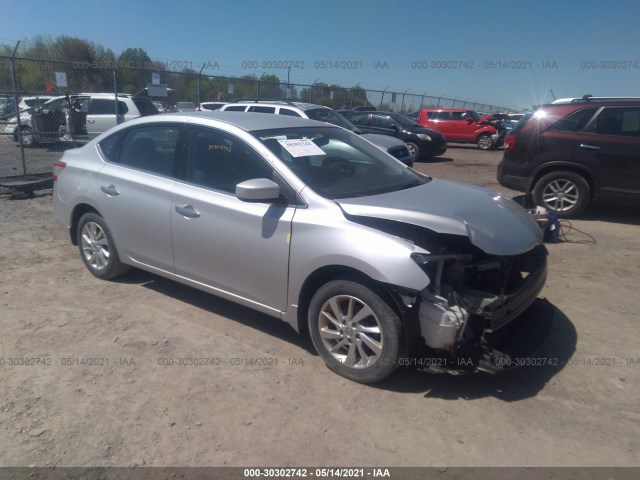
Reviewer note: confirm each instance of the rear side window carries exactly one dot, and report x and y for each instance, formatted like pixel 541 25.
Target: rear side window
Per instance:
pixel 521 123
pixel 235 108
pixel 438 115
pixel 576 121
pixel 623 121
pixel 259 109
pixel 145 106
pixel 109 146
pixel 359 119
pixel 291 113
pixel 382 122
pixel 152 149
pixel 104 106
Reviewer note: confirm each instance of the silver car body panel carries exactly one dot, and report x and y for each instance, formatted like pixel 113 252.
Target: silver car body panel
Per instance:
pixel 493 223
pixel 254 236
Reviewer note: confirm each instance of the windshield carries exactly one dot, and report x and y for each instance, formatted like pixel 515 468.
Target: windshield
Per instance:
pixel 336 163
pixel 404 120
pixel 330 116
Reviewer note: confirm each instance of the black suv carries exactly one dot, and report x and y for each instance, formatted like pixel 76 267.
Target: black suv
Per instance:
pixel 422 142
pixel 574 151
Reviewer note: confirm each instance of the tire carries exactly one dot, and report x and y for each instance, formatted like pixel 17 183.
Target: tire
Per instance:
pixel 97 248
pixel 484 141
pixel 363 331
pixel 565 193
pixel 414 150
pixel 28 138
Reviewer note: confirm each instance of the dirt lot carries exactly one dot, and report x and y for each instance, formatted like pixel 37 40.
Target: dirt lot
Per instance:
pixel 130 409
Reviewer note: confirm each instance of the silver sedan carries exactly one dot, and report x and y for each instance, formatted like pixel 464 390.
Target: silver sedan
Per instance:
pixel 310 224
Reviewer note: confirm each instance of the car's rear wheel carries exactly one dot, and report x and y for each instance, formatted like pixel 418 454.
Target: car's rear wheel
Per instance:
pixel 97 248
pixel 563 192
pixel 355 331
pixel 28 139
pixel 485 142
pixel 414 151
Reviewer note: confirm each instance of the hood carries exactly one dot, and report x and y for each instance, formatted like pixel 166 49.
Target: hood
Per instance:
pixel 494 116
pixel 419 129
pixel 493 223
pixel 382 141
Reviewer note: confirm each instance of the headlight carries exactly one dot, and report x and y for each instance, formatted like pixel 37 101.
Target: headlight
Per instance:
pixel 424 136
pixel 425 258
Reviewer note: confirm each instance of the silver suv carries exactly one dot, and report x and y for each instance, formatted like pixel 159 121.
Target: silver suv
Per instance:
pixel 81 116
pixel 394 147
pixel 311 224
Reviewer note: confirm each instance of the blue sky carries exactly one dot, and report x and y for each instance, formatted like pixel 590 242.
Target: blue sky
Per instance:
pixel 400 37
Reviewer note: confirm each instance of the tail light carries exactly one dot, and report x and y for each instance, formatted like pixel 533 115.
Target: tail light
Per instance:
pixel 510 142
pixel 58 165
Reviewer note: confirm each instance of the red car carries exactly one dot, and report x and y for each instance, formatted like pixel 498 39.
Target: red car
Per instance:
pixel 466 126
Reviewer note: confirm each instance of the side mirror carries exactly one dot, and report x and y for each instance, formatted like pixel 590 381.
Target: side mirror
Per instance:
pixel 469 120
pixel 258 189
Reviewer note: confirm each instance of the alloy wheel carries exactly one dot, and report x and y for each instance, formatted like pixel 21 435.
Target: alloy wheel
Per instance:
pixel 350 331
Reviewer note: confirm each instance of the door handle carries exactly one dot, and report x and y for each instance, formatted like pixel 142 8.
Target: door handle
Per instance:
pixel 588 146
pixel 187 211
pixel 91 121
pixel 110 190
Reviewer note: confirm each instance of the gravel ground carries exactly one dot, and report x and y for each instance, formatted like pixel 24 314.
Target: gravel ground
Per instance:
pixel 124 407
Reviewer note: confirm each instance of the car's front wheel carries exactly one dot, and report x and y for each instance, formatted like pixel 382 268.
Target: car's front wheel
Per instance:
pixel 414 151
pixel 356 332
pixel 97 248
pixel 485 142
pixel 563 192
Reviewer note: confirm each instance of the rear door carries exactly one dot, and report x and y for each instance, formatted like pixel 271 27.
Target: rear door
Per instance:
pixel 611 142
pixel 383 125
pixel 461 127
pixel 101 115
pixel 361 120
pixel 135 189
pixel 49 120
pixel 438 121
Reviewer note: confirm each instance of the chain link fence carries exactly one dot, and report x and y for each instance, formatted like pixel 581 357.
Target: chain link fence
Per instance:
pixel 47 107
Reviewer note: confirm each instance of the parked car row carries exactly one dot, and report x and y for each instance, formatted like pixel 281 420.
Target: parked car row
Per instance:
pixel 394 147
pixel 78 116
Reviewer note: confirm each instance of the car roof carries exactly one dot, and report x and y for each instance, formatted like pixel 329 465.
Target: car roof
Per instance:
pixel 248 121
pixel 281 103
pixel 381 112
pixel 438 109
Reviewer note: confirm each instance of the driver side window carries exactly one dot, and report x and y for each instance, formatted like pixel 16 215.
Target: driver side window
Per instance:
pixel 382 122
pixel 220 161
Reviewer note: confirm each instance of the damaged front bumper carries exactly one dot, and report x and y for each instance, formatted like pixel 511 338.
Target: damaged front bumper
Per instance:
pixel 472 305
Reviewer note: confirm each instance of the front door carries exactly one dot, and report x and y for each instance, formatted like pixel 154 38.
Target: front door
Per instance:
pixel 236 248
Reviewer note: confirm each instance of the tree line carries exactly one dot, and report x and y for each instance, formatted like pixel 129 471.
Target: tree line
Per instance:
pixel 89 67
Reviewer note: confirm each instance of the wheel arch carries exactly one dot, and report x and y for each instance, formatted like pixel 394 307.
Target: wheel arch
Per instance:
pixel 78 211
pixel 335 272
pixel 586 173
